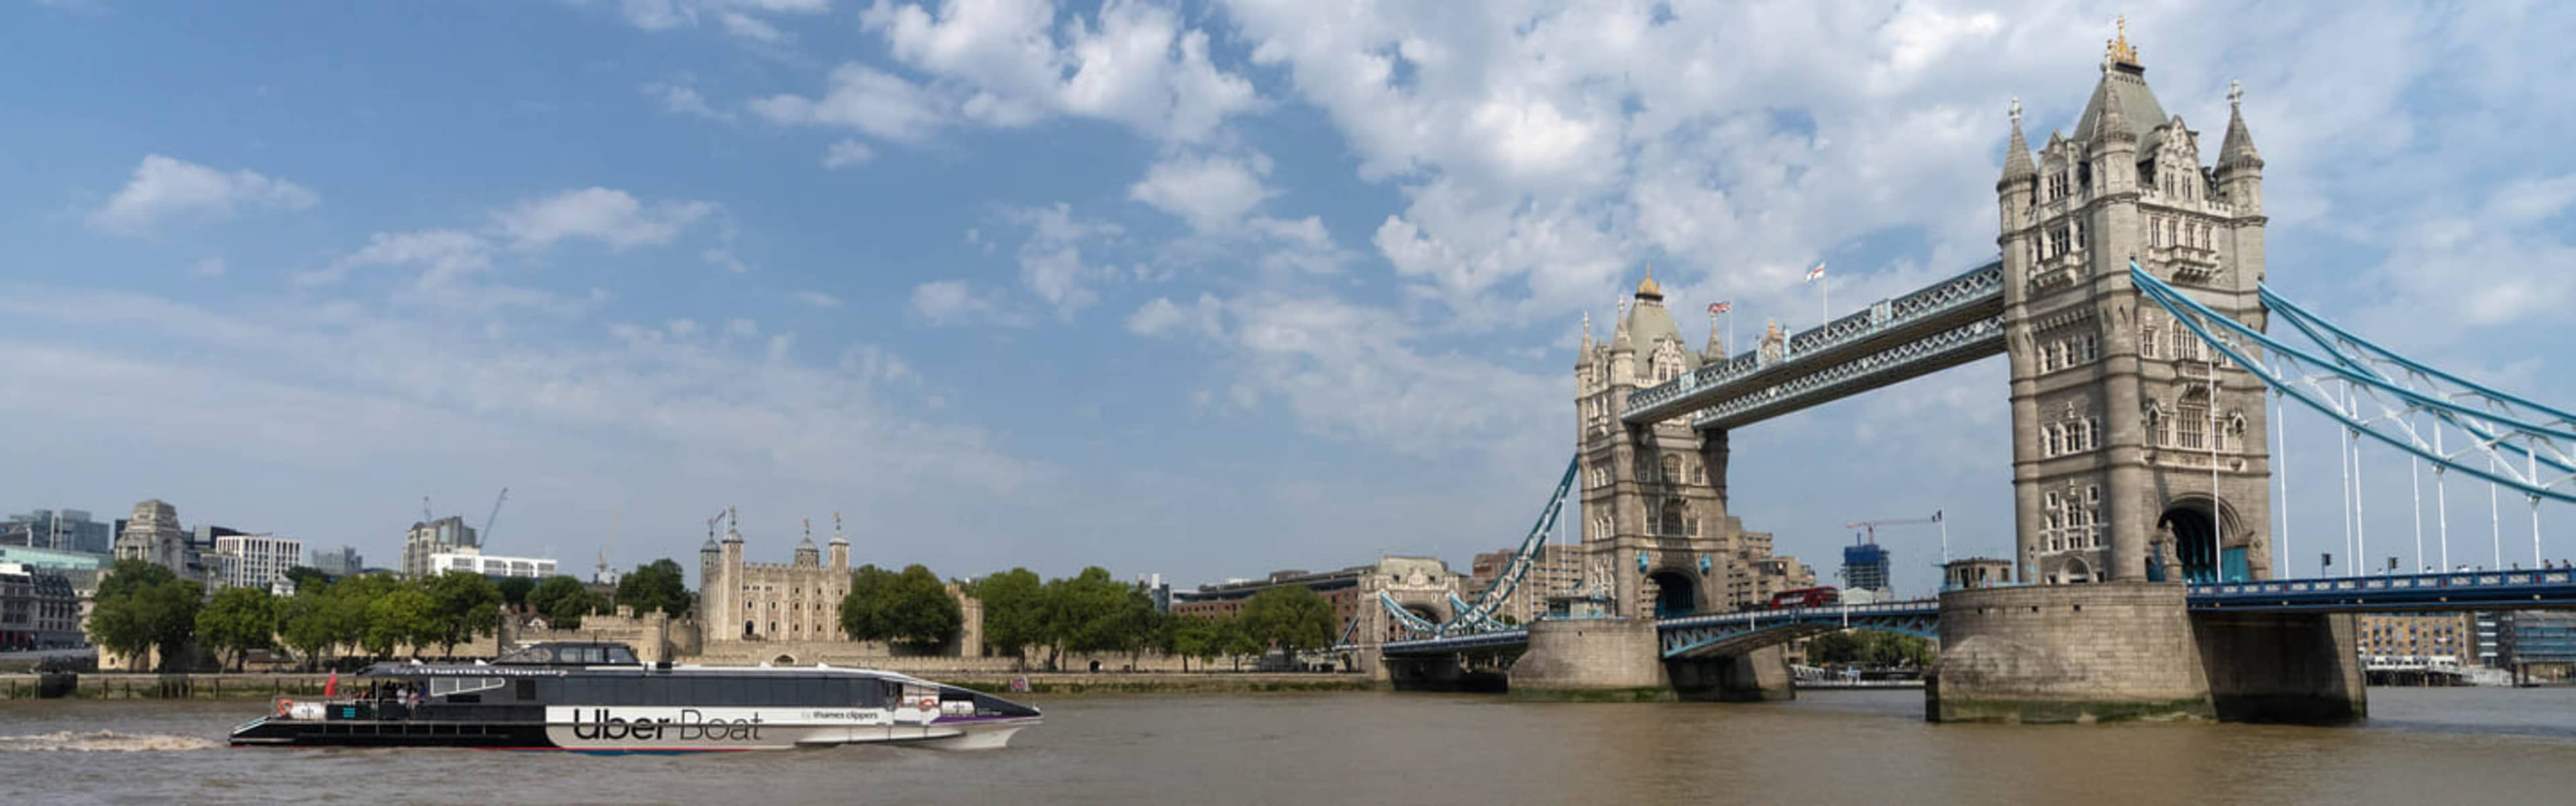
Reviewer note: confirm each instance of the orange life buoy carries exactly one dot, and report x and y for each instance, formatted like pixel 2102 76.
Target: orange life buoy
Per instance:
pixel 929 703
pixel 284 706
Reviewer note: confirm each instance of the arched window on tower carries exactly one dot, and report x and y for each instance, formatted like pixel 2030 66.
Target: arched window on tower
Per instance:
pixel 1672 469
pixel 1673 514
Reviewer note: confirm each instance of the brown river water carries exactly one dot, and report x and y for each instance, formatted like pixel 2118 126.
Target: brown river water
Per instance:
pixel 2423 746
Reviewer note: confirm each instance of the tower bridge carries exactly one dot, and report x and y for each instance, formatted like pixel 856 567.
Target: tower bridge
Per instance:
pixel 2129 300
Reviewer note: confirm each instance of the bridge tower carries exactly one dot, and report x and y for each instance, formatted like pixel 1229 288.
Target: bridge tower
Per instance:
pixel 2135 448
pixel 1655 526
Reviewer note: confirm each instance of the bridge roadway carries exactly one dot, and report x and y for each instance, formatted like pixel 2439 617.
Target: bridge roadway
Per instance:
pixel 1942 325
pixel 1734 633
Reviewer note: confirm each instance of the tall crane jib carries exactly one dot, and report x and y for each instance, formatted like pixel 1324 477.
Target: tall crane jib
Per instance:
pixel 486 536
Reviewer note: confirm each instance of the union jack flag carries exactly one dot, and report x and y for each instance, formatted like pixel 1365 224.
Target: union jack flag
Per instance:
pixel 1817 272
pixel 1721 307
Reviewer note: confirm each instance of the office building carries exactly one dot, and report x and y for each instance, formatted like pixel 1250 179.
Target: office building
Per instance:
pixel 444 535
pixel 254 561
pixel 473 560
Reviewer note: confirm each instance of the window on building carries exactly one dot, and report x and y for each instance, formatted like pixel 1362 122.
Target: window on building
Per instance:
pixel 2048 436
pixel 2192 412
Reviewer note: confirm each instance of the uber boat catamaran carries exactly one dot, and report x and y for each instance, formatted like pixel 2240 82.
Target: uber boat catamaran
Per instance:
pixel 596 697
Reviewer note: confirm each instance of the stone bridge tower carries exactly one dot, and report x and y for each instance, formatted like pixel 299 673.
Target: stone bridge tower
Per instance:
pixel 2132 451
pixel 1656 534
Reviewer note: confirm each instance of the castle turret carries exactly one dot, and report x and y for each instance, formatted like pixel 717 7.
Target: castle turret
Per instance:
pixel 806 553
pixel 840 545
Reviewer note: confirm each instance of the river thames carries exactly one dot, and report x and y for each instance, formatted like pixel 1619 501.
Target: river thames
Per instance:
pixel 2423 746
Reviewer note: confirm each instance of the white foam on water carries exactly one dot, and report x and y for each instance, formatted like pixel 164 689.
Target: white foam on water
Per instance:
pixel 107 741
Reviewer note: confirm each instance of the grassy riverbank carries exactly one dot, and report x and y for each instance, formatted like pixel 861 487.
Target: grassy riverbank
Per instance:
pixel 117 686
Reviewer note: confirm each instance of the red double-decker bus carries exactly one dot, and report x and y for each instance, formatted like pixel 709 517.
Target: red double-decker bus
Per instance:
pixel 1806 597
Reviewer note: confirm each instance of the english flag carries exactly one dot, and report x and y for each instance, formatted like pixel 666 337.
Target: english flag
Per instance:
pixel 1816 273
pixel 1721 307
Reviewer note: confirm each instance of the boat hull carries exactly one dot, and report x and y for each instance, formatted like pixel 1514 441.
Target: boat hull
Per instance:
pixel 970 733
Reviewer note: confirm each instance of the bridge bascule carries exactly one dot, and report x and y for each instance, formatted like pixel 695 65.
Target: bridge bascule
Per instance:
pixel 2130 301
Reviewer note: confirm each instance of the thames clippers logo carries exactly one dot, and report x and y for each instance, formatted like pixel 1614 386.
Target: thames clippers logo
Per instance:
pixel 692 725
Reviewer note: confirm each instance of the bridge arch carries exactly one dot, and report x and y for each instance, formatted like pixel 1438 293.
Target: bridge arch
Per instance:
pixel 2208 540
pixel 1677 592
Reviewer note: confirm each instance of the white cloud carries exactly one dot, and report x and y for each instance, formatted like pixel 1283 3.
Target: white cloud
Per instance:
pixel 866 99
pixel 724 259
pixel 163 188
pixel 741 328
pixel 847 153
pixel 1135 63
pixel 684 100
pixel 1161 316
pixel 817 299
pixel 208 267
pixel 950 303
pixel 444 256
pixel 683 328
pixel 1051 262
pixel 1212 193
pixel 736 17
pixel 609 216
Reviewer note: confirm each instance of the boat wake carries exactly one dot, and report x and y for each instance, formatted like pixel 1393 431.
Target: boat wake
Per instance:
pixel 105 741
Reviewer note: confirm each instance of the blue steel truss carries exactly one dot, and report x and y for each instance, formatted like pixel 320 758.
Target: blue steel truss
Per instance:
pixel 2466 590
pixel 1889 341
pixel 1478 617
pixel 1736 633
pixel 2527 447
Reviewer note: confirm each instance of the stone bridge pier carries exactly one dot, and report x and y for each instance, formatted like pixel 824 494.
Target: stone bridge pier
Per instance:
pixel 1621 660
pixel 2124 651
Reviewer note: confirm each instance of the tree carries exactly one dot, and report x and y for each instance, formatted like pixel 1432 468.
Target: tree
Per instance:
pixel 514 590
pixel 1290 618
pixel 1087 613
pixel 143 606
pixel 306 620
pixel 402 617
pixel 350 611
pixel 912 607
pixel 1234 640
pixel 560 599
pixel 1014 611
pixel 307 578
pixel 658 585
pixel 1193 637
pixel 239 620
pixel 463 604
pixel 1869 648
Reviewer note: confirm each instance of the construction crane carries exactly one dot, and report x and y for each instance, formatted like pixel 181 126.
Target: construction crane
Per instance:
pixel 486 537
pixel 1870 529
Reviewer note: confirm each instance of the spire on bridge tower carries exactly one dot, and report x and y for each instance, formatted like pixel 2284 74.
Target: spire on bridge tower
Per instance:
pixel 1716 350
pixel 2017 163
pixel 2237 151
pixel 2118 51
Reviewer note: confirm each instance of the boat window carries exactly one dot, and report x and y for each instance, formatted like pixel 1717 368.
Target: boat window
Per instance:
pixel 626 691
pixel 708 691
pixel 527 690
pixel 619 654
pixel 809 691
pixel 867 692
pixel 444 686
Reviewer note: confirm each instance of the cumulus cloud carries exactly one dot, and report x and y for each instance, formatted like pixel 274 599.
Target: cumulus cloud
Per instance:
pixel 164 188
pixel 742 18
pixel 610 216
pixel 683 100
pixel 817 299
pixel 1212 193
pixel 863 98
pixel 1013 62
pixel 1162 316
pixel 956 302
pixel 847 153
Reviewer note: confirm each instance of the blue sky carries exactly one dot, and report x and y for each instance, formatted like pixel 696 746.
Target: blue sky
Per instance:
pixel 1204 290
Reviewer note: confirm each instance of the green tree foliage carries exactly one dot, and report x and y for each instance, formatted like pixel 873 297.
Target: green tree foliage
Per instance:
pixel 306 622
pixel 1234 639
pixel 563 600
pixel 143 606
pixel 307 577
pixel 462 605
pixel 912 607
pixel 1014 611
pixel 514 590
pixel 1289 617
pixel 1089 612
pixel 405 616
pixel 658 585
pixel 237 621
pixel 1194 637
pixel 1869 648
